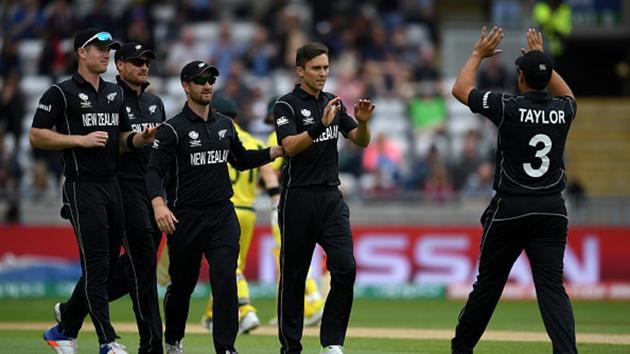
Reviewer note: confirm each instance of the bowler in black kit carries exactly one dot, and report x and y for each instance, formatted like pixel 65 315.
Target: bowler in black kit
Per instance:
pixel 312 210
pixel 527 212
pixel 85 117
pixel 194 148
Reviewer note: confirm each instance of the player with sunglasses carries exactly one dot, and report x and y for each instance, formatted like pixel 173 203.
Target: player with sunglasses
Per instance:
pixel 194 148
pixel 85 117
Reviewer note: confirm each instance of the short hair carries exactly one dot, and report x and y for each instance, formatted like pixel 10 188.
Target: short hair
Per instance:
pixel 308 52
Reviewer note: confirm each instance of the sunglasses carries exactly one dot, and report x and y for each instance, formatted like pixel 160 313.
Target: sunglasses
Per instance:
pixel 201 80
pixel 137 62
pixel 101 36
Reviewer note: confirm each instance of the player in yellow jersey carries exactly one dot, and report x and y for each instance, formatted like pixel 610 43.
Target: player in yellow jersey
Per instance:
pixel 313 299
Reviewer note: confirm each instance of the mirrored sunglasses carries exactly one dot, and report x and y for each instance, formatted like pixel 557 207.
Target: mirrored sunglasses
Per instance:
pixel 137 62
pixel 101 36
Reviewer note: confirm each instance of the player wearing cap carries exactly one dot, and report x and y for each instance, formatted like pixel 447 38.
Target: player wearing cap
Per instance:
pixel 194 147
pixel 85 118
pixel 312 211
pixel 527 212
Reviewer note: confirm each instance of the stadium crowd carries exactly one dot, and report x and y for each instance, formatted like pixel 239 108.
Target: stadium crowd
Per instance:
pixel 388 51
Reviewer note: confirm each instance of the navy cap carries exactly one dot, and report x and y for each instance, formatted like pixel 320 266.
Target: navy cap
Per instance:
pixel 196 68
pixel 133 50
pixel 95 36
pixel 537 68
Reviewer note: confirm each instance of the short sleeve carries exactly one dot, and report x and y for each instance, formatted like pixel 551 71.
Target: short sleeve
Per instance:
pixel 284 120
pixel 125 124
pixel 50 108
pixel 572 106
pixel 487 103
pixel 346 123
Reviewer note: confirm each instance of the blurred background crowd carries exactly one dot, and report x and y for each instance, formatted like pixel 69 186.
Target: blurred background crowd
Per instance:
pixel 402 54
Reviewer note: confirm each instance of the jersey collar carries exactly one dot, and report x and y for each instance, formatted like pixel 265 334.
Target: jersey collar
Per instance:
pixel 129 90
pixel 537 95
pixel 82 82
pixel 193 116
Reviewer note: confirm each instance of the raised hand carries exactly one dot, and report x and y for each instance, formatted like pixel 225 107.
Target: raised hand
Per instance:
pixel 331 110
pixel 487 44
pixel 534 41
pixel 94 139
pixel 148 134
pixel 363 110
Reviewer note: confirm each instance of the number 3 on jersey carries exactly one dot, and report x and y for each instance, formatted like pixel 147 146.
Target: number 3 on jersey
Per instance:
pixel 541 154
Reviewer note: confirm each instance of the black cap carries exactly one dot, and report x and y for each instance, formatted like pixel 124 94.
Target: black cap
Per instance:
pixel 537 68
pixel 225 106
pixel 196 68
pixel 95 36
pixel 133 50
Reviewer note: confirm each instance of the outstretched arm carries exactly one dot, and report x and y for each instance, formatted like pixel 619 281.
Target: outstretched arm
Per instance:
pixel 485 47
pixel 556 86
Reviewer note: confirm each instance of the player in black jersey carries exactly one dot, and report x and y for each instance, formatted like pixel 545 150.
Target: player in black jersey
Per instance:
pixel 85 118
pixel 312 210
pixel 194 147
pixel 527 212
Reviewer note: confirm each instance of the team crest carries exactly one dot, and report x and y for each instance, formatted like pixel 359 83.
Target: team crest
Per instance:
pixel 152 108
pixel 222 133
pixel 84 100
pixel 305 112
pixel 138 47
pixel 111 97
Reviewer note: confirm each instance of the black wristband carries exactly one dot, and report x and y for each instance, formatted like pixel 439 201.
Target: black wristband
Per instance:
pixel 130 144
pixel 273 191
pixel 315 131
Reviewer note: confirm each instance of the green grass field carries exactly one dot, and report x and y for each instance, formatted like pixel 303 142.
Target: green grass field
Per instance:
pixel 604 318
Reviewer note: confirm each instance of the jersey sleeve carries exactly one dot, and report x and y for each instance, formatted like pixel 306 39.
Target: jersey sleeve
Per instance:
pixel 284 120
pixel 487 103
pixel 272 140
pixel 243 159
pixel 50 109
pixel 162 155
pixel 124 123
pixel 346 123
pixel 572 106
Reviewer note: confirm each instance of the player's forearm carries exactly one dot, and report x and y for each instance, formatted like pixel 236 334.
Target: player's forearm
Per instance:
pixel 130 141
pixel 295 144
pixel 247 159
pixel 466 79
pixel 51 140
pixel 558 87
pixel 361 135
pixel 269 177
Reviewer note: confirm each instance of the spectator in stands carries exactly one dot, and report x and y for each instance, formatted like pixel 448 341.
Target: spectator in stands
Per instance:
pixel 224 51
pixel 494 76
pixel 98 16
pixel 468 162
pixel 479 183
pixel 54 60
pixel 185 50
pixel 437 185
pixel 12 109
pixel 382 159
pixel 24 20
pixel 9 57
pixel 137 20
pixel 59 18
pixel 506 13
pixel 553 17
pixel 260 55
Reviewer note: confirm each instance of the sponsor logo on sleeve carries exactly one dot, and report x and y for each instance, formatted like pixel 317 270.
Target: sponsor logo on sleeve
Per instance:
pixel 44 107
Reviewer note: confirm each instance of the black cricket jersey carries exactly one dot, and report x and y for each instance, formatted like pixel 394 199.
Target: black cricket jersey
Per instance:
pixel 317 165
pixel 73 107
pixel 145 110
pixel 195 153
pixel 533 129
